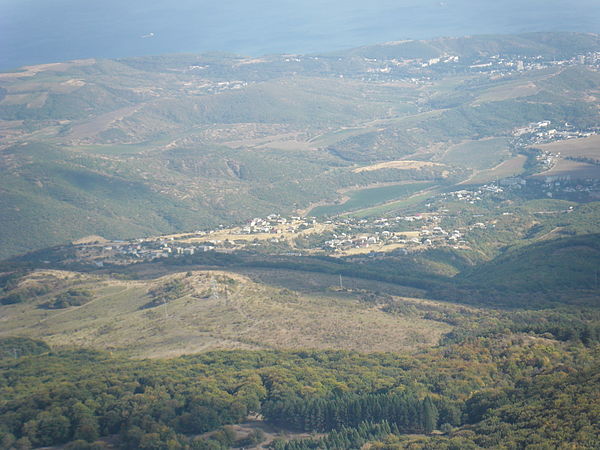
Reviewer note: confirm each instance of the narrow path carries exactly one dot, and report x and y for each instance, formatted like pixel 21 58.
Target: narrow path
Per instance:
pixel 232 301
pixel 76 308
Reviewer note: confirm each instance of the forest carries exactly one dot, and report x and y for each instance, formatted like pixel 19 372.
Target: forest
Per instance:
pixel 496 391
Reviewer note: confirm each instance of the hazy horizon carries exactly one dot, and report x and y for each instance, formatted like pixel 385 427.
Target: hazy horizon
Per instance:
pixel 35 32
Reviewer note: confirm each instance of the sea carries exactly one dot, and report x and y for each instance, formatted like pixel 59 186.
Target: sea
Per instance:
pixel 44 31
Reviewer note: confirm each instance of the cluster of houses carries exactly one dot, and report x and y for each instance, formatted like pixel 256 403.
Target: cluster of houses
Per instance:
pixel 543 133
pixel 120 252
pixel 382 232
pixel 494 65
pixel 189 244
pixel 503 65
pixel 275 224
pixel 440 237
pixel 546 160
pixel 425 230
pixel 562 185
pixel 206 86
pixel 536 128
pixel 473 196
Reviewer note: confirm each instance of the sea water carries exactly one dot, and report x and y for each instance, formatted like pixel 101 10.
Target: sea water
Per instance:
pixel 41 31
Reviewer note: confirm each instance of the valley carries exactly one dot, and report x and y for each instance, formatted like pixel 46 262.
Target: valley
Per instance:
pixel 395 246
pixel 203 140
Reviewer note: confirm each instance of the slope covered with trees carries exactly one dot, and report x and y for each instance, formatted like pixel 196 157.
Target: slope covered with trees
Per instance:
pixel 481 392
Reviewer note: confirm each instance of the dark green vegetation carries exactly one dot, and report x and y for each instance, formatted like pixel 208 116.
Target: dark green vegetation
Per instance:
pixel 409 413
pixel 71 297
pixel 151 145
pixel 547 265
pixel 165 293
pixel 346 437
pixel 512 391
pixel 16 347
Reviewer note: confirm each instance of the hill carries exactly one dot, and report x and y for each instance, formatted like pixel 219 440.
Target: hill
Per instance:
pixel 527 44
pixel 190 312
pixel 553 265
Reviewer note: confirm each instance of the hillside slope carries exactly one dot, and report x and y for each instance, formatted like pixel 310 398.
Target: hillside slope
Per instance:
pixel 567 263
pixel 186 313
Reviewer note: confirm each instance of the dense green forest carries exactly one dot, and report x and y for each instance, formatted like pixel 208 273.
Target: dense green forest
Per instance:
pixel 500 390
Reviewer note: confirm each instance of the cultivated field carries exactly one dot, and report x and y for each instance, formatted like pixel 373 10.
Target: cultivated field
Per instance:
pixel 508 168
pixel 481 154
pixel 397 206
pixel 572 169
pixel 366 198
pixel 577 148
pixel 402 165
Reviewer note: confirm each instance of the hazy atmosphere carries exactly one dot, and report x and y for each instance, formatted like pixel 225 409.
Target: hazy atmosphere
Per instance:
pixel 37 31
pixel 277 225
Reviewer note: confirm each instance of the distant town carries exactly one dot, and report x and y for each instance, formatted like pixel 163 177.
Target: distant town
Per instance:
pixel 496 66
pixel 417 71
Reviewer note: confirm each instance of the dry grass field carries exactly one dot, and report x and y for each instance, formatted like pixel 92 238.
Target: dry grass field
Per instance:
pixel 509 91
pixel 508 168
pixel 214 310
pixel 402 165
pixel 29 71
pixel 588 147
pixel 571 169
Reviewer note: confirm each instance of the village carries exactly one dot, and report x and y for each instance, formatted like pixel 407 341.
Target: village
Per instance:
pixel 544 132
pixel 340 236
pixel 404 69
pixel 496 66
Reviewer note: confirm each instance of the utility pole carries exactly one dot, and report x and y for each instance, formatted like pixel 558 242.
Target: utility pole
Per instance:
pixel 213 289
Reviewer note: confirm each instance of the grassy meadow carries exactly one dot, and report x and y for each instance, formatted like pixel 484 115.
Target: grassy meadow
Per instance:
pixel 366 198
pixel 214 310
